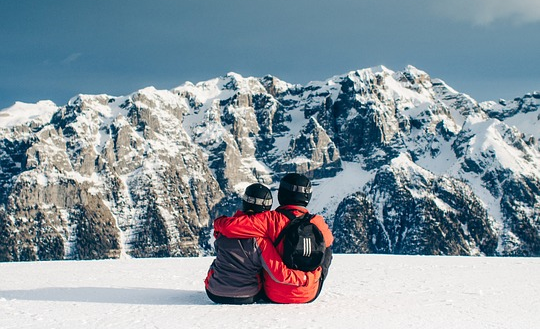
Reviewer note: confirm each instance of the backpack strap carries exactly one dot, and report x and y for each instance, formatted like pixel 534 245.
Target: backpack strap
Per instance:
pixel 292 219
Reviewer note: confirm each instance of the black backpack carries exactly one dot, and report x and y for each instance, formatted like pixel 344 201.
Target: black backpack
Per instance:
pixel 303 243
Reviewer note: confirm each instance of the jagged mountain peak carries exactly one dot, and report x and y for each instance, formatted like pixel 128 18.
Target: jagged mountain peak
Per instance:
pixel 504 147
pixel 144 174
pixel 521 112
pixel 416 72
pixel 277 86
pixel 381 84
pixel 81 99
pixel 371 71
pixel 232 81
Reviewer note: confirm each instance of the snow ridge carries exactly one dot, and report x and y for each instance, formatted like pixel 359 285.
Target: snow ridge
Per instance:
pixel 430 170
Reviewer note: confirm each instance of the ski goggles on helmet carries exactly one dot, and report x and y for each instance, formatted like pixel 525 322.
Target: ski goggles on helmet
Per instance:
pixel 295 188
pixel 257 201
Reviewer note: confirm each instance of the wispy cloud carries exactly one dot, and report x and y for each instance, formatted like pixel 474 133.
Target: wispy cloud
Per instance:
pixel 486 12
pixel 71 58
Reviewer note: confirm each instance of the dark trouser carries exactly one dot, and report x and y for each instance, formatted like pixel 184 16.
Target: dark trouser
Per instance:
pixel 234 300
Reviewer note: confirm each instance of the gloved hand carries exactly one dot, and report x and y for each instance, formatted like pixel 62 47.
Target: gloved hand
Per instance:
pixel 313 276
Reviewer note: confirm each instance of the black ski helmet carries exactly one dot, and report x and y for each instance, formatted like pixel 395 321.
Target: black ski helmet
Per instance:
pixel 294 189
pixel 256 198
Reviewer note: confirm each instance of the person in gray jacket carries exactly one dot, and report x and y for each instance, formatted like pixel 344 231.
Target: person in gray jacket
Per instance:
pixel 235 275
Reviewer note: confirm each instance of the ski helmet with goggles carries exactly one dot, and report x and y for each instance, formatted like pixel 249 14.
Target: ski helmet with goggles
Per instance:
pixel 294 189
pixel 256 198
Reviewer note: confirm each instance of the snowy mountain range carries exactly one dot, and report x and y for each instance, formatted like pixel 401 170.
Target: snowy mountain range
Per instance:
pixel 401 163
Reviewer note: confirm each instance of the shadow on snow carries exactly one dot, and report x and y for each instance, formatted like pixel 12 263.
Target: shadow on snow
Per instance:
pixel 143 296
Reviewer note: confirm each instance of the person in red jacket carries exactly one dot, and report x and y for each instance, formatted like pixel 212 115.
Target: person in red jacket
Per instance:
pixel 234 276
pixel 294 195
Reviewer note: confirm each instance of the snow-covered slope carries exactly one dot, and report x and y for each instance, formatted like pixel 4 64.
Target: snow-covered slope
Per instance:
pixel 24 113
pixel 362 291
pixel 401 163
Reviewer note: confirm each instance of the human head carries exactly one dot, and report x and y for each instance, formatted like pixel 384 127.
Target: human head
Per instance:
pixel 294 189
pixel 256 198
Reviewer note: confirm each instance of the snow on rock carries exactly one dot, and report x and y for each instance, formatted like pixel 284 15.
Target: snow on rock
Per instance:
pixel 143 175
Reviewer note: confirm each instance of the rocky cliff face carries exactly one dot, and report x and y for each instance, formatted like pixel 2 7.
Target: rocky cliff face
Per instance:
pixel 408 210
pixel 401 163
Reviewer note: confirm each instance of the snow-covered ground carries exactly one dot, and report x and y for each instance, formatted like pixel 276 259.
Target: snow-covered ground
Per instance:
pixel 362 291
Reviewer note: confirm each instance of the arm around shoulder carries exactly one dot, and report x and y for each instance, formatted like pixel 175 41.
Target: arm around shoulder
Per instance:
pixel 278 271
pixel 243 226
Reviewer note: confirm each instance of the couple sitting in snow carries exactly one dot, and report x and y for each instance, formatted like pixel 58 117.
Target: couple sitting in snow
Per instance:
pixel 248 266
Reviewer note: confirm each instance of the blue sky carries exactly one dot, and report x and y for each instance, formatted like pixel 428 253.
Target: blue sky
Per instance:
pixel 56 49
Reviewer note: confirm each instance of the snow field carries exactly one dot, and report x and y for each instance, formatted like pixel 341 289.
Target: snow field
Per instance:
pixel 362 291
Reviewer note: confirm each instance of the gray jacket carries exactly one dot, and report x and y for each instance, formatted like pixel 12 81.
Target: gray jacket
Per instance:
pixel 236 270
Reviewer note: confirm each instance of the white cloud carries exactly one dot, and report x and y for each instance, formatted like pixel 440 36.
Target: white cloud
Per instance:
pixel 486 12
pixel 71 58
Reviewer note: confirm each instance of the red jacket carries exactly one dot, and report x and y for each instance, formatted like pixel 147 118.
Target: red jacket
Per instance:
pixel 269 224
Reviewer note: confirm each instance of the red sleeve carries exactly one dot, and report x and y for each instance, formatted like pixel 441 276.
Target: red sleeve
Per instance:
pixel 245 226
pixel 325 230
pixel 277 270
pixel 216 232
